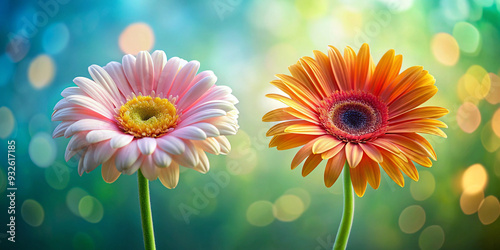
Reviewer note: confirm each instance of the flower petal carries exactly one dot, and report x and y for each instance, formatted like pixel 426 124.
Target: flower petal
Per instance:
pixel 333 168
pixel 169 176
pixel 171 144
pixel 121 140
pixel 311 163
pixel 146 145
pixel 354 153
pixel 109 172
pixel 126 156
pixel 161 158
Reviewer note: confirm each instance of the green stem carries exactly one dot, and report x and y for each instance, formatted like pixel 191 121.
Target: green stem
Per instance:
pixel 146 218
pixel 347 215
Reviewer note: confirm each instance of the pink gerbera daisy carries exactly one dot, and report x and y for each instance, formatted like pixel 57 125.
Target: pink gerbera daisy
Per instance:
pixel 149 113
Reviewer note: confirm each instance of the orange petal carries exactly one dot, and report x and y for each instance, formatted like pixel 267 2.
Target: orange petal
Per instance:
pixel 311 163
pixel 303 153
pixel 392 171
pixel 354 153
pixel 400 84
pixel 402 140
pixel 288 141
pixel 279 129
pixel 297 96
pixel 381 72
pixel 371 151
pixel 358 179
pixel 350 61
pixel 312 69
pixel 300 74
pixel 305 129
pixel 332 152
pixel 385 144
pixel 416 128
pixel 419 113
pixel 340 70
pixel 372 171
pixel 293 104
pixel 388 85
pixel 333 168
pixel 417 158
pixel 298 88
pixel 413 100
pixel 325 143
pixel 109 172
pixel 326 70
pixel 278 115
pixel 362 67
pixel 407 167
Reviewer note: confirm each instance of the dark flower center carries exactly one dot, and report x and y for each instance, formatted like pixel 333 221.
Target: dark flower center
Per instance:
pixel 353 116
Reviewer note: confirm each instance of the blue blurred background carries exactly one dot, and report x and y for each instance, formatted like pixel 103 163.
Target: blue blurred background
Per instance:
pixel 250 199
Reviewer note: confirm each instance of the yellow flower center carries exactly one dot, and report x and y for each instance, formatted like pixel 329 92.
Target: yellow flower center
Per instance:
pixel 145 116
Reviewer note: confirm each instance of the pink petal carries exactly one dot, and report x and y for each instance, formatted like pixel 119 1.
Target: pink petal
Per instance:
pixel 171 144
pixel 145 72
pixel 78 141
pixel 189 158
pixel 147 145
pixel 159 61
pixel 190 133
pixel 126 156
pixel 101 135
pixel 168 75
pixel 102 77
pixel 72 91
pixel 128 64
pixel 61 129
pixel 90 104
pixel 184 77
pixel 149 169
pixel 202 116
pixel 89 124
pixel 209 145
pixel 204 165
pixel 115 70
pixel 161 158
pixel 94 91
pixel 103 151
pixel 225 146
pixel 196 91
pixel 121 140
pixel 209 129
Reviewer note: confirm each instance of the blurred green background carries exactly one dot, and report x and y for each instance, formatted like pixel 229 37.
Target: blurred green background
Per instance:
pixel 251 199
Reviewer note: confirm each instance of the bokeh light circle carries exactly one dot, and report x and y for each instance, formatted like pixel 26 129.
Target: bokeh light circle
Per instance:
pixel 431 238
pixel 55 38
pixel 288 207
pixel 412 219
pixel 489 139
pixel 90 209
pixel 489 210
pixel 493 96
pixel 136 37
pixel 469 203
pixel 495 123
pixel 467 36
pixel 302 194
pixel 7 123
pixel 41 71
pixel 260 213
pixel 312 9
pixel 468 117
pixel 73 199
pixel 474 179
pixel 424 187
pixel 32 213
pixel 42 149
pixel 445 49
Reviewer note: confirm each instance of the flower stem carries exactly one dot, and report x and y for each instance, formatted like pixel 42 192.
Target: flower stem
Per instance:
pixel 146 218
pixel 347 215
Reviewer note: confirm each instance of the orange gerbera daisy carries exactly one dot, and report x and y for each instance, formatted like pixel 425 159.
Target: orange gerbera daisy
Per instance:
pixel 347 108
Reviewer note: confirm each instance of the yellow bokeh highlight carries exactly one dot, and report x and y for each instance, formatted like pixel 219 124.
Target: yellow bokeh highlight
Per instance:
pixel 412 219
pixel 302 194
pixel 468 117
pixel 489 210
pixel 41 71
pixel 136 37
pixel 90 209
pixel 488 138
pixel 7 123
pixel 32 213
pixel 493 96
pixel 469 203
pixel 432 237
pixel 495 123
pixel 288 207
pixel 474 179
pixel 445 49
pixel 260 213
pixel 312 9
pixel 424 187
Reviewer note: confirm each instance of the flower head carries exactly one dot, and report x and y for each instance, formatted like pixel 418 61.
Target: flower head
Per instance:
pixel 149 113
pixel 346 108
